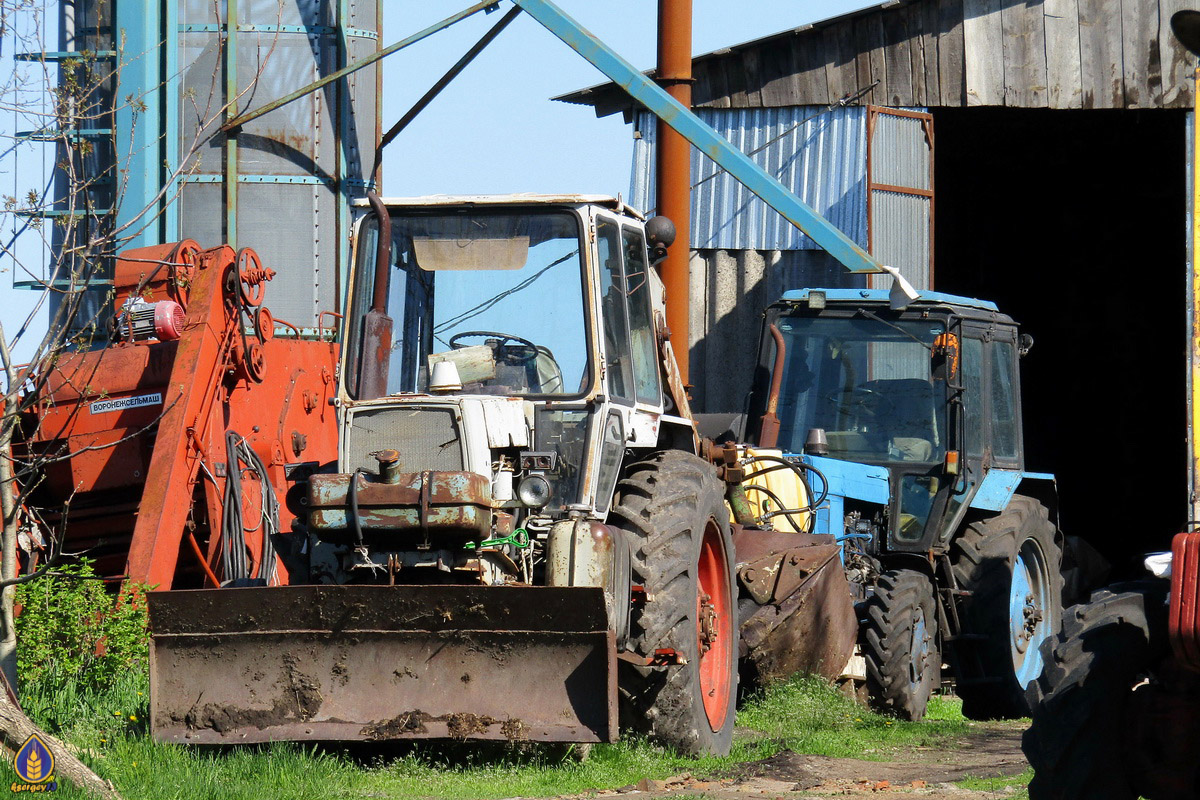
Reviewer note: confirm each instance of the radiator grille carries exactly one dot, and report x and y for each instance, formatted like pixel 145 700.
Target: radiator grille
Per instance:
pixel 426 438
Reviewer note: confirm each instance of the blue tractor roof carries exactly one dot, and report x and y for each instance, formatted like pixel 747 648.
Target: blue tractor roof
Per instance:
pixel 881 296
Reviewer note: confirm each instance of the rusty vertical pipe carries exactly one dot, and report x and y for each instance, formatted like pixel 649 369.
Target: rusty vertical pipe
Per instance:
pixel 383 253
pixel 768 429
pixel 673 168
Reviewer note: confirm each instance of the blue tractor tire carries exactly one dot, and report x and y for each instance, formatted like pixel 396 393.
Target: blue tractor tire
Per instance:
pixel 1010 563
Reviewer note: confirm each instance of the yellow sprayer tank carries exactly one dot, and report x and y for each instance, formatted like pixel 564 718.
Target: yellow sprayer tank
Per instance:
pixel 782 486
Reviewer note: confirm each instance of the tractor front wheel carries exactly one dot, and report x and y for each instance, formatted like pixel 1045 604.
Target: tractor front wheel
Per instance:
pixel 672 507
pixel 899 642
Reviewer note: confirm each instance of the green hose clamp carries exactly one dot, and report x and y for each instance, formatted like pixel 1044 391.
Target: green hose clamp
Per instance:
pixel 519 540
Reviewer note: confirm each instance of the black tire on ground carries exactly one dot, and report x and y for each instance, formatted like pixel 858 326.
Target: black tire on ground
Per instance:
pixel 994 665
pixel 899 641
pixel 1078 744
pixel 666 503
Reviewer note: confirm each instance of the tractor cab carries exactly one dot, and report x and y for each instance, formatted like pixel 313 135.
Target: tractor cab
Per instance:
pixel 908 421
pixel 503 346
pixel 927 395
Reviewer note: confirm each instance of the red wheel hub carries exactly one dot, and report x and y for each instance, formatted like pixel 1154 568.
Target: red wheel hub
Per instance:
pixel 714 627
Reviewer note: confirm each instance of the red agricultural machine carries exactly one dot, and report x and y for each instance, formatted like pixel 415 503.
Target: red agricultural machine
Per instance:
pixel 193 383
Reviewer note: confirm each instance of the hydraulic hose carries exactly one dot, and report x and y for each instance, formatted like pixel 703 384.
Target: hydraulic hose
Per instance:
pixel 799 469
pixel 233 526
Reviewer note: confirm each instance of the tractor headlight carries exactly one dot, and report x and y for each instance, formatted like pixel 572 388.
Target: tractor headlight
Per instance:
pixel 534 491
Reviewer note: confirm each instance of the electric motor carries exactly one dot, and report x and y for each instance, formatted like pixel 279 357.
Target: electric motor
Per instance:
pixel 162 320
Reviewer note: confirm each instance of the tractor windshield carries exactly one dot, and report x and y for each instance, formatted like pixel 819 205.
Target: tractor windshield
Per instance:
pixel 497 294
pixel 867 382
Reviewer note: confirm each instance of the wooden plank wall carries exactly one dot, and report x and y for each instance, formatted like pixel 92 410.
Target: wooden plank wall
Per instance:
pixel 1016 53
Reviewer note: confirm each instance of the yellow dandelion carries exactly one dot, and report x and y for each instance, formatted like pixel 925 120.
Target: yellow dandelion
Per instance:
pixel 132 718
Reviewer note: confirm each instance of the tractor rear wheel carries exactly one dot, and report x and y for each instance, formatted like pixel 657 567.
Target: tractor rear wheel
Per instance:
pixel 1011 565
pixel 899 641
pixel 1079 743
pixel 672 506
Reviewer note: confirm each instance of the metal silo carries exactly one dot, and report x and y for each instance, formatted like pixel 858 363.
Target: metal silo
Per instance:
pixel 283 183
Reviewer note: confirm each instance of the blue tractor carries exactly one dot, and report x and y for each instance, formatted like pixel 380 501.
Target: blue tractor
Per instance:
pixel 908 423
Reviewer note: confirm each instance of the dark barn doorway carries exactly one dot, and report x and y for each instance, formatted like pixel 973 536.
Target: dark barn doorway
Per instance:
pixel 1074 223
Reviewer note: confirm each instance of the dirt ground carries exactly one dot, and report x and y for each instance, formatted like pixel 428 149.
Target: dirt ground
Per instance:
pixel 990 750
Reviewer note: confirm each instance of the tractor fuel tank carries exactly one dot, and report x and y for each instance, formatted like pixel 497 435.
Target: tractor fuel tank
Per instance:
pixel 451 503
pixel 372 663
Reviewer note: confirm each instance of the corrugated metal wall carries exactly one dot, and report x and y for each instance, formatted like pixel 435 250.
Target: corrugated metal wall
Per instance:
pixel 820 155
pixel 745 255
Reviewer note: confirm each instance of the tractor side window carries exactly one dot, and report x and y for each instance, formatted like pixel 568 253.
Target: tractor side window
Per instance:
pixel 612 310
pixel 1004 406
pixel 972 398
pixel 641 321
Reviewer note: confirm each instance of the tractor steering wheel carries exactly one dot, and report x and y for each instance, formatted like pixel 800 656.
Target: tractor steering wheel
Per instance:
pixel 860 400
pixel 457 344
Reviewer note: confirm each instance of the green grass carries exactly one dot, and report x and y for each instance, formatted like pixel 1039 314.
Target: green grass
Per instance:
pixel 810 717
pixel 804 715
pixel 1005 783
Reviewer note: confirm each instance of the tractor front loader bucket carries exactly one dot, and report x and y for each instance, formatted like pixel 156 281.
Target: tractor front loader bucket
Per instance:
pixel 805 620
pixel 367 663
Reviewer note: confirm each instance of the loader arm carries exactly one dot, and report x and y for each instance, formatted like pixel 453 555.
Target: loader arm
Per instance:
pixel 201 363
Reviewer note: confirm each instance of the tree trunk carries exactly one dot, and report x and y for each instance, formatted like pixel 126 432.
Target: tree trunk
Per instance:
pixel 8 507
pixel 15 728
pixel 8 564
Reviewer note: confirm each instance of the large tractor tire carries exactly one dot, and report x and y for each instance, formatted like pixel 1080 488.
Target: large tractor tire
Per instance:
pixel 1079 743
pixel 672 506
pixel 899 641
pixel 1010 564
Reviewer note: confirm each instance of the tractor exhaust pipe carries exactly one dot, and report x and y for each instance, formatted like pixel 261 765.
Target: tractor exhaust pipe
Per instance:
pixel 375 355
pixel 383 252
pixel 768 430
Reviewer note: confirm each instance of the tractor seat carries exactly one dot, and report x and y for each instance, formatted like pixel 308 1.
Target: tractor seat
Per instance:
pixel 907 419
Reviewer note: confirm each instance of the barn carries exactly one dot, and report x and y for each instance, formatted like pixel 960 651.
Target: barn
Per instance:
pixel 1037 153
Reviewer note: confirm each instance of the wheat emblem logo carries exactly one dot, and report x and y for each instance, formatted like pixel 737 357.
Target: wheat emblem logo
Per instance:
pixel 33 768
pixel 34 762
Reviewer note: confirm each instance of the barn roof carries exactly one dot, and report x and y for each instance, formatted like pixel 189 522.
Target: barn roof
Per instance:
pixel 1016 53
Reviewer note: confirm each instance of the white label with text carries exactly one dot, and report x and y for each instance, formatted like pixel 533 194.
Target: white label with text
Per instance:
pixel 142 400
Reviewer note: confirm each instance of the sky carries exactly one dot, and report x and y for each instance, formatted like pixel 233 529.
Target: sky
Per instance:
pixel 495 129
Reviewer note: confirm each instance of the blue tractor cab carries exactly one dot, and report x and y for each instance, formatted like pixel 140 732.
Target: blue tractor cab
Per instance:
pixel 908 421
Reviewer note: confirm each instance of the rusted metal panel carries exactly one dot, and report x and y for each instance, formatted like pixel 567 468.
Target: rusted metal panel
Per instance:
pixel 372 663
pixel 1184 618
pixel 805 622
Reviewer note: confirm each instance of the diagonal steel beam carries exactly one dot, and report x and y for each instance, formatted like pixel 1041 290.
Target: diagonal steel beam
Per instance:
pixel 703 137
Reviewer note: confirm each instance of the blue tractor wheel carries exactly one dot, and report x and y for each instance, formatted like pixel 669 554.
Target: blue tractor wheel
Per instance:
pixel 1029 600
pixel 1010 563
